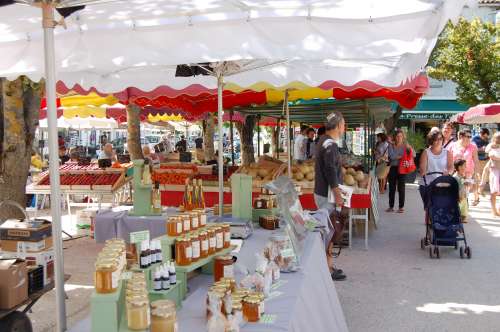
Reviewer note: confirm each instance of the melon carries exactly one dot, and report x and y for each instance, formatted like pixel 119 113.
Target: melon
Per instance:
pixel 299 176
pixel 263 172
pixel 351 171
pixel 310 176
pixel 344 171
pixel 360 176
pixel 349 180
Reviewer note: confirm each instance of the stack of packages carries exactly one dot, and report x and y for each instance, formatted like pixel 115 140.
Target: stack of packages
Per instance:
pixel 27 248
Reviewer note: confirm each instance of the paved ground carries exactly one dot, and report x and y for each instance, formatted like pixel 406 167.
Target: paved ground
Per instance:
pixel 395 286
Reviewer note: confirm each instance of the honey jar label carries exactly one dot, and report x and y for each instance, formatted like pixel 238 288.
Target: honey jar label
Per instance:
pixel 228 271
pixel 204 245
pixel 115 277
pixel 227 236
pixel 203 220
pixel 195 223
pixel 212 242
pixel 220 240
pixel 196 249
pixel 189 252
pixel 179 228
pixel 187 225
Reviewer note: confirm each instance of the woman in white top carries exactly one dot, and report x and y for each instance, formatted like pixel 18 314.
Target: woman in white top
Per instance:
pixel 434 161
pixel 493 151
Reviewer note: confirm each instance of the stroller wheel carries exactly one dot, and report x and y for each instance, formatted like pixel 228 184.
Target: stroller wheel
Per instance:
pixel 430 252
pixel 422 244
pixel 462 252
pixel 436 251
pixel 467 252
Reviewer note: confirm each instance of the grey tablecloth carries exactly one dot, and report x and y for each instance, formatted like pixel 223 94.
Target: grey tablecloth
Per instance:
pixel 111 224
pixel 308 302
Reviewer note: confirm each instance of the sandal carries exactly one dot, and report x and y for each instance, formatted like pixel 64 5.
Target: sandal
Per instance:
pixel 475 202
pixel 401 210
pixel 389 210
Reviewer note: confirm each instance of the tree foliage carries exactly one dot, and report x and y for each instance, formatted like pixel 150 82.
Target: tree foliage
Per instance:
pixel 468 54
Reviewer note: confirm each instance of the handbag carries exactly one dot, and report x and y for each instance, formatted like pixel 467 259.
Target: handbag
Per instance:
pixel 406 163
pixel 382 170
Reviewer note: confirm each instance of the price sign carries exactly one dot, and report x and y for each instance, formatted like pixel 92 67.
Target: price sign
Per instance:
pixel 138 237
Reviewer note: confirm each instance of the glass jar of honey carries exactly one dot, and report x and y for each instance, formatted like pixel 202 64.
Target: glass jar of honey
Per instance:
pixel 211 241
pixel 227 235
pixel 183 251
pixel 186 223
pixel 219 238
pixel 259 296
pixel 203 244
pixel 202 215
pixel 174 226
pixel 229 280
pixel 251 309
pixel 195 220
pixel 196 247
pixel 163 304
pixel 138 313
pixel 163 319
pixel 106 276
pixel 223 267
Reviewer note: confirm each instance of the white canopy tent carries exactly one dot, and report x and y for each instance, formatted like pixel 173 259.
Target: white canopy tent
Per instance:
pixel 111 45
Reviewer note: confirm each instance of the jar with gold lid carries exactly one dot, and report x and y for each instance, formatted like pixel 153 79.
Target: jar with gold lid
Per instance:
pixel 223 267
pixel 202 215
pixel 212 242
pixel 219 238
pixel 229 280
pixel 259 296
pixel 106 276
pixel 195 220
pixel 163 319
pixel 138 317
pixel 226 228
pixel 251 309
pixel 196 247
pixel 186 222
pixel 163 304
pixel 174 226
pixel 183 251
pixel 203 244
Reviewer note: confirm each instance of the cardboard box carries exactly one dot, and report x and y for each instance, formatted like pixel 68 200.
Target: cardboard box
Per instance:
pixel 13 229
pixel 44 258
pixel 26 246
pixel 13 283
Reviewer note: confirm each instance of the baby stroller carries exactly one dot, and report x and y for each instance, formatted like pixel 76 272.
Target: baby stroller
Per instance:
pixel 445 227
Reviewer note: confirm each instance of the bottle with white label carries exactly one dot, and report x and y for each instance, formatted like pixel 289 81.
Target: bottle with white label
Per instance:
pixel 145 258
pixel 158 280
pixel 173 276
pixel 159 253
pixel 165 279
pixel 152 252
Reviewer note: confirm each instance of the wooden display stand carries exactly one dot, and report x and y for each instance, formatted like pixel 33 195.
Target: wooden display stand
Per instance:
pixel 142 192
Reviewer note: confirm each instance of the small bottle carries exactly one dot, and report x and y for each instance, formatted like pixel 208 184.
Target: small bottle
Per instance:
pixel 173 276
pixel 152 252
pixel 156 199
pixel 165 279
pixel 201 197
pixel 144 257
pixel 158 280
pixel 159 253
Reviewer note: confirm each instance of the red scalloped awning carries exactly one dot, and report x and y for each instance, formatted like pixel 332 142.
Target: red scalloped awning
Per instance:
pixel 196 100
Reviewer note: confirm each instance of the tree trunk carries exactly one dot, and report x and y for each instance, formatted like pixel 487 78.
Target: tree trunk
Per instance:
pixel 134 131
pixel 19 113
pixel 246 135
pixel 390 123
pixel 275 133
pixel 208 137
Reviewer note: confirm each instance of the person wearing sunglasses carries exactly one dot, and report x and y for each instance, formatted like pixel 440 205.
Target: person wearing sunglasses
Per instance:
pixel 463 148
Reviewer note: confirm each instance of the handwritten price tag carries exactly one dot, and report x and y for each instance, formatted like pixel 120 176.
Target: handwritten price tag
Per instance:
pixel 268 319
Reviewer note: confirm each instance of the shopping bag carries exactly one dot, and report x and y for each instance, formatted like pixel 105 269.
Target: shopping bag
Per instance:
pixel 406 163
pixel 382 170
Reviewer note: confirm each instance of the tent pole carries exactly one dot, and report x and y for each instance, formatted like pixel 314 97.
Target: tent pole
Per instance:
pixel 220 86
pixel 231 133
pixel 258 135
pixel 278 134
pixel 288 138
pixel 55 205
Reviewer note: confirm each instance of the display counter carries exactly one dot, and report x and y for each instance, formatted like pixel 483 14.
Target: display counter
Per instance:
pixel 301 301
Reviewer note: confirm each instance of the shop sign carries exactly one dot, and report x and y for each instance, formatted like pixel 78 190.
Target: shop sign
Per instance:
pixel 425 116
